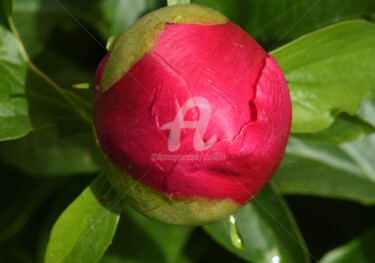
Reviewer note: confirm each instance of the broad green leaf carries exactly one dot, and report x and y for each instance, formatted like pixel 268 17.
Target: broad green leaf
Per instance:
pixel 137 234
pixel 360 249
pixel 86 228
pixel 67 190
pixel 268 229
pixel 345 128
pixel 14 119
pixel 45 153
pixel 345 171
pixel 328 71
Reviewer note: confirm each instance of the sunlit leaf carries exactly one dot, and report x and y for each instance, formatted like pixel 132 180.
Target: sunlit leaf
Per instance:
pixel 345 171
pixel 328 71
pixel 86 228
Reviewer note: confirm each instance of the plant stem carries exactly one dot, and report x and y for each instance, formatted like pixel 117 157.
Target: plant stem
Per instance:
pixel 177 2
pixel 41 74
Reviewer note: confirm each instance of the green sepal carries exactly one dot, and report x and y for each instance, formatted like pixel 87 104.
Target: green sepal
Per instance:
pixel 168 209
pixel 141 37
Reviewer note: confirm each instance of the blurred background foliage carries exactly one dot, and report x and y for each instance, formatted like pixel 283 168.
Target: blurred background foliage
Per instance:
pixel 327 178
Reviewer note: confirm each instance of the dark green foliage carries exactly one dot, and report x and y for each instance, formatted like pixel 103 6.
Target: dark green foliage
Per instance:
pixel 48 155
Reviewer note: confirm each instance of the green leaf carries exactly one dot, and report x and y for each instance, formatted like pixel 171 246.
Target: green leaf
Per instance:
pixel 360 249
pixel 85 229
pixel 344 129
pixel 268 230
pixel 68 189
pixel 328 71
pixel 45 153
pixel 345 171
pixel 14 119
pixel 137 234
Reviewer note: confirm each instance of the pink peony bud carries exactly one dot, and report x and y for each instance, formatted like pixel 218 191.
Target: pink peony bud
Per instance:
pixel 192 115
